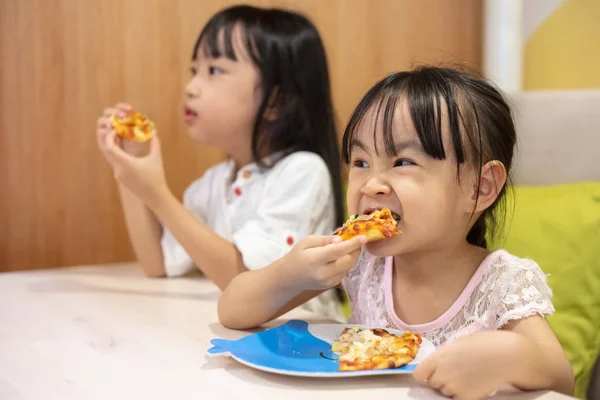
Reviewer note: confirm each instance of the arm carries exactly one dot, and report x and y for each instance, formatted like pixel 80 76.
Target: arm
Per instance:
pixel 146 198
pixel 283 212
pixel 144 233
pixel 520 349
pixel 142 226
pixel 315 264
pixel 544 363
pixel 215 256
pixel 255 297
pixel 525 354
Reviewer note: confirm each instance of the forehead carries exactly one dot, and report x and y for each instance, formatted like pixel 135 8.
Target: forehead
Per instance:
pixel 383 128
pixel 229 41
pixel 379 125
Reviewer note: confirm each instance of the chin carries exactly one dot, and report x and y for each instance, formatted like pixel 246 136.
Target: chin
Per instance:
pixel 384 247
pixel 197 136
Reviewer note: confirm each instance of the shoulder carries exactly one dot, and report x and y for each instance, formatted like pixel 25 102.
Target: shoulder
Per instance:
pixel 502 264
pixel 516 287
pixel 216 173
pixel 301 159
pixel 298 166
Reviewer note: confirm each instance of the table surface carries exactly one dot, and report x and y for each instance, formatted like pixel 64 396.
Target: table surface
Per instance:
pixel 108 332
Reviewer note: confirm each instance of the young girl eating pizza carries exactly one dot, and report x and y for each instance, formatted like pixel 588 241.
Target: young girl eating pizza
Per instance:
pixel 435 147
pixel 259 91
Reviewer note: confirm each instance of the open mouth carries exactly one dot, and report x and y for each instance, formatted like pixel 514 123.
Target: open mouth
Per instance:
pixel 189 113
pixel 395 215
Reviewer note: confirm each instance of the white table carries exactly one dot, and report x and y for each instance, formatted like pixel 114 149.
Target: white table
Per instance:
pixel 108 332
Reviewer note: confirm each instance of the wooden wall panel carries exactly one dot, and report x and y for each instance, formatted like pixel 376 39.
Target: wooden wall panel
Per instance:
pixel 63 61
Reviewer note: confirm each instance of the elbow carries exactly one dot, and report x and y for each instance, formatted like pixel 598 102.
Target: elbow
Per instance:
pixel 155 274
pixel 229 318
pixel 568 386
pixel 564 381
pixel 563 378
pixel 154 270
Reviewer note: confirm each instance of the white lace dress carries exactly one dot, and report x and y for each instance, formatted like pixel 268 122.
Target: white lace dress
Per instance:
pixel 503 288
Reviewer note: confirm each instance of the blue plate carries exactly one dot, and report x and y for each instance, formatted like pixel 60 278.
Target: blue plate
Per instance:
pixel 299 349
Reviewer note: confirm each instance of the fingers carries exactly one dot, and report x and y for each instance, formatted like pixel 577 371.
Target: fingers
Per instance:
pixel 428 373
pixel 109 111
pixel 105 131
pixel 121 109
pixel 447 391
pixel 112 149
pixel 435 381
pixel 425 369
pixel 318 241
pixel 334 250
pixel 124 107
pixel 103 128
pixel 103 123
pixel 154 145
pixel 343 264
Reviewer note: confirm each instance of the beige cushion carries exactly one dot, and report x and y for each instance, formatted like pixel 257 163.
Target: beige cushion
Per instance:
pixel 558 135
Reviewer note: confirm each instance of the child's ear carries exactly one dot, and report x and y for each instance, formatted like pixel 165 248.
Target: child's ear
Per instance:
pixel 272 111
pixel 493 178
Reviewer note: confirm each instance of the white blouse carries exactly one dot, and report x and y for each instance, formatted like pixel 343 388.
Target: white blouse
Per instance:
pixel 263 212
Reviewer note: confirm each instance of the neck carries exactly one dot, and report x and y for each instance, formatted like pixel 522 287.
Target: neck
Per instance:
pixel 242 155
pixel 452 263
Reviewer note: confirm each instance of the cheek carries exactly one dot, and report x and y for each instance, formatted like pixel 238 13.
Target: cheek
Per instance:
pixel 353 196
pixel 425 200
pixel 437 207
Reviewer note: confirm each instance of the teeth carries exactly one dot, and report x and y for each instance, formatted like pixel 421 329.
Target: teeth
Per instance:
pixel 396 217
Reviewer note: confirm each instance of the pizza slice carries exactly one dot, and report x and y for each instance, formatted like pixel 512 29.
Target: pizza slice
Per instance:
pixel 135 126
pixel 368 349
pixel 377 225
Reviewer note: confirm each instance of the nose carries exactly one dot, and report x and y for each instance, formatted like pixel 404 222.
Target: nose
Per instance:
pixel 192 89
pixel 376 185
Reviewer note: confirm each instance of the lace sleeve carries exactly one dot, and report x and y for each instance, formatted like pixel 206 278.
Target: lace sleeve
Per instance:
pixel 521 291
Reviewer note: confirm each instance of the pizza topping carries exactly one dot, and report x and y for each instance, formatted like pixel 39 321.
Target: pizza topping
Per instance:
pixel 364 349
pixel 135 126
pixel 379 224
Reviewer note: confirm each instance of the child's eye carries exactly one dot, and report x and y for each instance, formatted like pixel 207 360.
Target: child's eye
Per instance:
pixel 403 162
pixel 194 71
pixel 360 164
pixel 212 70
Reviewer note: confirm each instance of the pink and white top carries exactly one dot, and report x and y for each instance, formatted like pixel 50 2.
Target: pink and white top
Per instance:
pixel 503 288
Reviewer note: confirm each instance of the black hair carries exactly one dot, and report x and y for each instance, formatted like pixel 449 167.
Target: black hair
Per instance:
pixel 288 51
pixel 479 119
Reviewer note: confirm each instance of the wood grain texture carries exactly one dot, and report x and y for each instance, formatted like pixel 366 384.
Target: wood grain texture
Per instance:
pixel 64 61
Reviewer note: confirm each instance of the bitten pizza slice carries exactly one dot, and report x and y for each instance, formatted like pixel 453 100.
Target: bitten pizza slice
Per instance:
pixel 379 224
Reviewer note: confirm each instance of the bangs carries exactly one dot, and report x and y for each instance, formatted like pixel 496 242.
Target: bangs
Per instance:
pixel 430 97
pixel 217 39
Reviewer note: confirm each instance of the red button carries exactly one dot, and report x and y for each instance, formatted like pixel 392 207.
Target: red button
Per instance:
pixel 290 240
pixel 237 191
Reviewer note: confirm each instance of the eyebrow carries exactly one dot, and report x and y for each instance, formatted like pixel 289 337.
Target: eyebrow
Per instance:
pixel 409 144
pixel 398 147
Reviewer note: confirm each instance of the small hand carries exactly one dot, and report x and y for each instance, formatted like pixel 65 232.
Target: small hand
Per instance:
pixel 321 262
pixel 143 176
pixel 472 367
